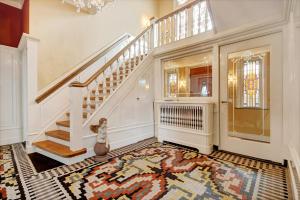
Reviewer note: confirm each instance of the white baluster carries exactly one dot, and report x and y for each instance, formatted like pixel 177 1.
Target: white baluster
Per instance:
pixel 176 115
pixel 165 32
pixel 161 114
pixel 138 49
pixel 146 36
pixel 158 34
pixel 172 114
pixel 132 56
pixel 97 95
pixel 111 83
pixel 88 102
pixel 198 117
pixel 194 118
pixel 172 31
pixel 191 117
pixel 199 17
pixel 189 19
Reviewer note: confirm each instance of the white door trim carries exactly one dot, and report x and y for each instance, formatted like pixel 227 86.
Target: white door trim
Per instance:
pixel 273 150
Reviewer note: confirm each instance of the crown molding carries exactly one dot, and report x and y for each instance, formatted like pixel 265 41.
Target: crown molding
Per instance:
pixel 14 3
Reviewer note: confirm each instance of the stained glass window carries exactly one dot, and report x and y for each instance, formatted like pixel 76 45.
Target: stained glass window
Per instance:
pixel 172 84
pixel 251 88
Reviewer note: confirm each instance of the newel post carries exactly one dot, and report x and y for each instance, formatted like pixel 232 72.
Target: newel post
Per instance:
pixel 76 120
pixel 31 119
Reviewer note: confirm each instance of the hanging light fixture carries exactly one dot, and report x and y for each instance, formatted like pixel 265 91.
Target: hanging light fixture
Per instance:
pixel 90 4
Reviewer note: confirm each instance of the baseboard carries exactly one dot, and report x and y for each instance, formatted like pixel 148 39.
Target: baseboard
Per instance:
pixel 130 140
pixel 293 178
pixel 202 148
pixel 295 158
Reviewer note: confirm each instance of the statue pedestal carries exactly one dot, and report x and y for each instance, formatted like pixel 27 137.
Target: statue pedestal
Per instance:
pixel 101 152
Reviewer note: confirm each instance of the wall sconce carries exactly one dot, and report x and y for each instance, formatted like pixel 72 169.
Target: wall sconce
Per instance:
pixel 182 84
pixel 231 78
pixel 145 21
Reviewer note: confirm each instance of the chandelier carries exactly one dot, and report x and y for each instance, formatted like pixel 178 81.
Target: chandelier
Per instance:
pixel 96 5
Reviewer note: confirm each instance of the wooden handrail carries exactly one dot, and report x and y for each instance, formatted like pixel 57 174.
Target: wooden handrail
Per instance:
pixel 58 85
pixel 178 10
pixel 108 64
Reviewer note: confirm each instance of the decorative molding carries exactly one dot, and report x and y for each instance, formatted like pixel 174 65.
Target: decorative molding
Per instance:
pixel 294 174
pixel 188 131
pixel 10 96
pixel 295 158
pixel 293 181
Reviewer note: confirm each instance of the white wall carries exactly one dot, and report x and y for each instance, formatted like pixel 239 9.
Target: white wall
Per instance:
pixel 297 63
pixel 10 96
pixel 164 7
pixel 67 37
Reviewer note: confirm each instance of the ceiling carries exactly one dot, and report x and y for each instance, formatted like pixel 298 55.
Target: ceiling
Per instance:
pixel 13 3
pixel 228 14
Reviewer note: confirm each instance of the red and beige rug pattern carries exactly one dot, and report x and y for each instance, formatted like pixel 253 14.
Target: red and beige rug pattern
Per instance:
pixel 10 187
pixel 144 170
pixel 162 171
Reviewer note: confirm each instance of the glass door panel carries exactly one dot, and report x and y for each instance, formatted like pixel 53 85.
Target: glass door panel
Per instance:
pixel 249 94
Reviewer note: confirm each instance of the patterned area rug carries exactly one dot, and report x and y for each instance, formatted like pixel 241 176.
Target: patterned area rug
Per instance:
pixel 10 186
pixel 146 170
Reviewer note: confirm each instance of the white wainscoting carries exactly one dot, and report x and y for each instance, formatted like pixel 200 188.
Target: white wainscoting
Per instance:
pixel 10 96
pixel 129 111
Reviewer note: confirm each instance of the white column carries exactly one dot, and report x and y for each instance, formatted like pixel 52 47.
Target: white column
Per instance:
pixel 76 120
pixel 291 93
pixel 31 119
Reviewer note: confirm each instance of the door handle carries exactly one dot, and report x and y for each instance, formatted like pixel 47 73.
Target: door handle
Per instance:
pixel 224 102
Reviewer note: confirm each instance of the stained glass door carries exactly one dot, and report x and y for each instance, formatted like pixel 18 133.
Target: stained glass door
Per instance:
pixel 249 94
pixel 251 98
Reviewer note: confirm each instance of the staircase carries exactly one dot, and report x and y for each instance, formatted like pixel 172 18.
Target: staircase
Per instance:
pixel 58 140
pixel 64 141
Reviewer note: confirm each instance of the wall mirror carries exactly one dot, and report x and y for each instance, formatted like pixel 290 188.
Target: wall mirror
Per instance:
pixel 189 76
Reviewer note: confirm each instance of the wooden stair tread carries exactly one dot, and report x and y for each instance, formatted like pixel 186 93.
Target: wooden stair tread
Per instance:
pixel 63 135
pixel 63 123
pixel 58 149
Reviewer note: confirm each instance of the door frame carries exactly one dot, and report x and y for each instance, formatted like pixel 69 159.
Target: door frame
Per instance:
pixel 270 151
